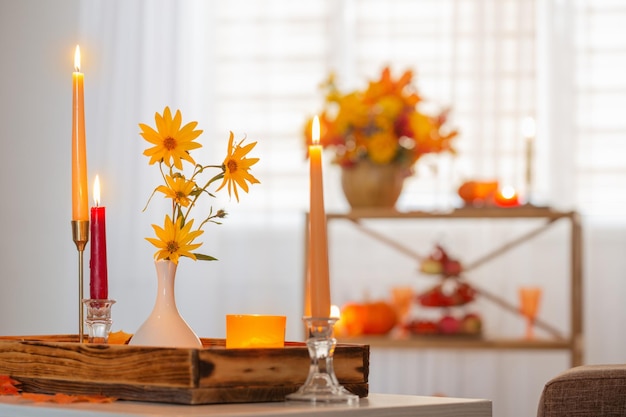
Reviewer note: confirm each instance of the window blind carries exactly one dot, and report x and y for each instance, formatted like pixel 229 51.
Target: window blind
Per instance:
pixel 476 57
pixel 484 59
pixel 600 128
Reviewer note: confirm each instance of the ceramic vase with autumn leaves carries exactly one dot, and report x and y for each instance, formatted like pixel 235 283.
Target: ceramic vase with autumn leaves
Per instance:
pixel 370 185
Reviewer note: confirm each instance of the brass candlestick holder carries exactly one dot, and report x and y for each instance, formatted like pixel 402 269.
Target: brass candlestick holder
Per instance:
pixel 80 235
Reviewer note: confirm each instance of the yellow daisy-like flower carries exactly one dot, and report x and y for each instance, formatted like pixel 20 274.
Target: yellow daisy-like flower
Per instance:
pixel 390 107
pixel 171 142
pixel 174 241
pixel 178 189
pixel 236 167
pixel 172 148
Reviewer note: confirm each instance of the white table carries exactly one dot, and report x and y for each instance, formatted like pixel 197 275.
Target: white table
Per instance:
pixel 376 405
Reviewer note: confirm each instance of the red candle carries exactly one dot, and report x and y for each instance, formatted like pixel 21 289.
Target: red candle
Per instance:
pixel 318 278
pixel 98 285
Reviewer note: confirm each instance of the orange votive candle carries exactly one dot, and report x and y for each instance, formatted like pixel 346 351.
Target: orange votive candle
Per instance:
pixel 255 331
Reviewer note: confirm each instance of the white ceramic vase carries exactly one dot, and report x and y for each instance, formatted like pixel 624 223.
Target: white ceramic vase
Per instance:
pixel 165 327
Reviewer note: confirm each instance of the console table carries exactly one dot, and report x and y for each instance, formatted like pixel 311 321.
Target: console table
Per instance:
pixel 547 217
pixel 376 405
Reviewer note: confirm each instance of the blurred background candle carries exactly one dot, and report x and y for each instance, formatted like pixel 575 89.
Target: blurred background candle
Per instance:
pixel 79 158
pixel 318 279
pixel 98 285
pixel 528 130
pixel 506 197
pixel 255 331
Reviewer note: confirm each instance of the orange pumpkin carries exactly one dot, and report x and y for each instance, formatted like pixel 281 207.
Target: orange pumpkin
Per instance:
pixel 478 192
pixel 351 321
pixel 377 317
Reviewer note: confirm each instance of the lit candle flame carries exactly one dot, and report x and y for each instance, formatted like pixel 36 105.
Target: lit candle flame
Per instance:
pixel 507 192
pixel 315 131
pixel 77 59
pixel 96 191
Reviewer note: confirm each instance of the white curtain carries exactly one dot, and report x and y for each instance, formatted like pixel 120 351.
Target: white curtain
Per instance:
pixel 254 68
pixel 150 55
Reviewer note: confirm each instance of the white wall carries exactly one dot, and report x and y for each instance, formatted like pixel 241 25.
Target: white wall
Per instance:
pixel 38 261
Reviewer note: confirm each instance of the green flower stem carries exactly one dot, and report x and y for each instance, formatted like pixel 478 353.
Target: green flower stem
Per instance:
pixel 204 189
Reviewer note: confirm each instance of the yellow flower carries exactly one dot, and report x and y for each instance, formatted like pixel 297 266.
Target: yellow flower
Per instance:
pixel 390 107
pixel 382 147
pixel 352 114
pixel 171 142
pixel 236 167
pixel 174 241
pixel 172 145
pixel 178 189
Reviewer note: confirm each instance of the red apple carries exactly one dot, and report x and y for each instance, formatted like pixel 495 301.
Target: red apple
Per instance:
pixel 434 297
pixel 452 268
pixel 449 324
pixel 423 327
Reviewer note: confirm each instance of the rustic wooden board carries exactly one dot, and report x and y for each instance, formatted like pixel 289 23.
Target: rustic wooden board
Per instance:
pixel 214 374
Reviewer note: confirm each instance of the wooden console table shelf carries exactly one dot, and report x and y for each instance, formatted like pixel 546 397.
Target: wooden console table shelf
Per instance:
pixel 573 342
pixel 460 343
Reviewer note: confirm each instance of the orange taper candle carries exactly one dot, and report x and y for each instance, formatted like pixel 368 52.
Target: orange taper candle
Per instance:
pixel 79 153
pixel 318 277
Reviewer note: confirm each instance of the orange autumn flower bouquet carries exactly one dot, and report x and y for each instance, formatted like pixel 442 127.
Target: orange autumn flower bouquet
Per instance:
pixel 172 145
pixel 382 123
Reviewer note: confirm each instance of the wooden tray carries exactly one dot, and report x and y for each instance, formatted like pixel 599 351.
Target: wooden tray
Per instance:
pixel 213 374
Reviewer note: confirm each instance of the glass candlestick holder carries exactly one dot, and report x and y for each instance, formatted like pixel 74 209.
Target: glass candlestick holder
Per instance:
pixel 98 320
pixel 321 385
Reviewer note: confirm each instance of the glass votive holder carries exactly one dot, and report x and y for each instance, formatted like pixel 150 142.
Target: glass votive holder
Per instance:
pixel 255 331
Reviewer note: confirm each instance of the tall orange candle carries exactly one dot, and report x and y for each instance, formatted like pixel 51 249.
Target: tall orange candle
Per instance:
pixel 79 157
pixel 318 282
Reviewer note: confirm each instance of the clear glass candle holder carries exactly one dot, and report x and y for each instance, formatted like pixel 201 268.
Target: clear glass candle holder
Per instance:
pixel 98 319
pixel 321 385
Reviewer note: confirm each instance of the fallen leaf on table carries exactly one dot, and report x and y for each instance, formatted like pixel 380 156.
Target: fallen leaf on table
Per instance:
pixel 96 399
pixel 8 385
pixel 119 338
pixel 8 389
pixel 38 398
pixel 61 398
